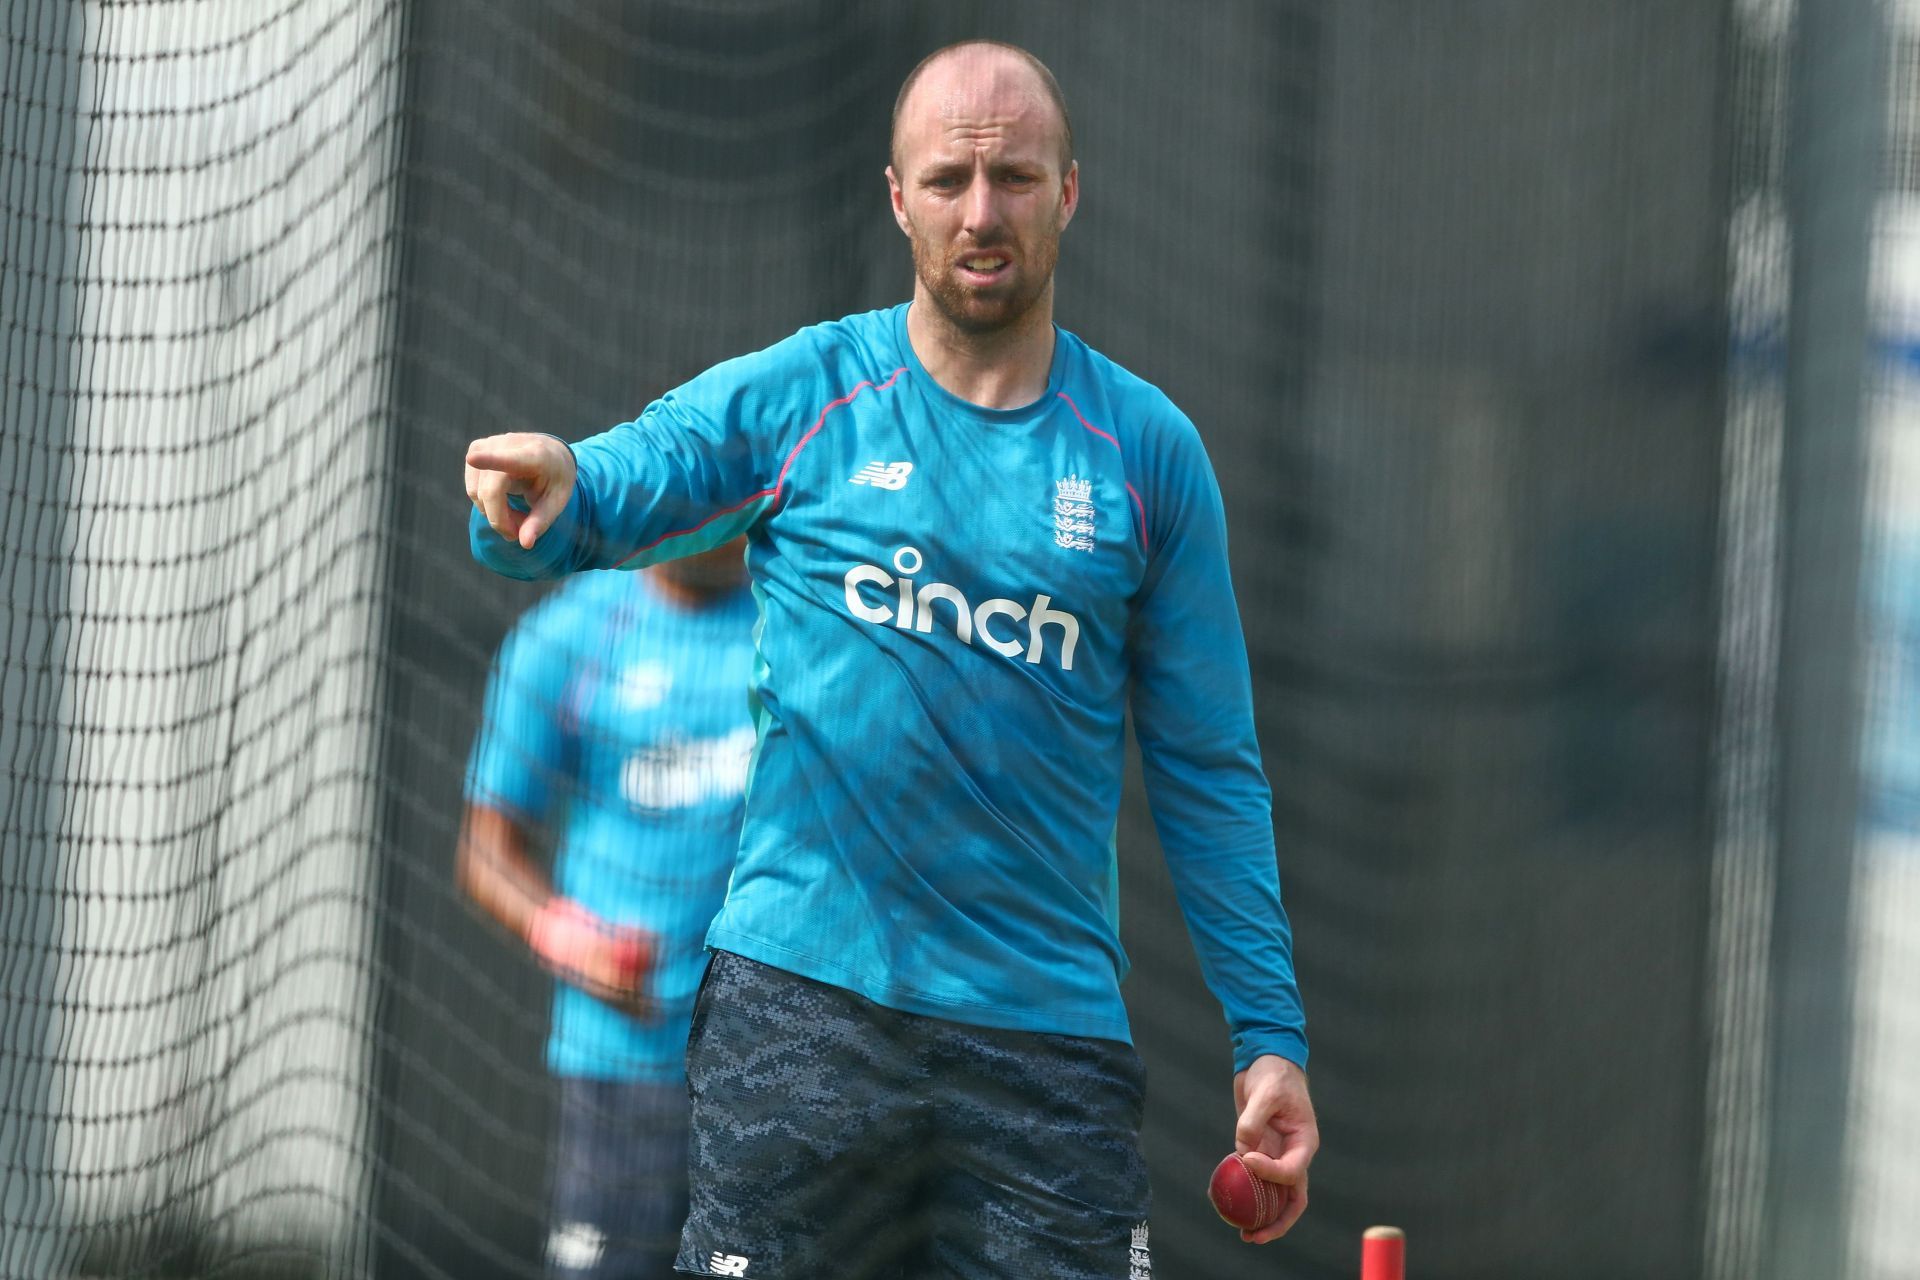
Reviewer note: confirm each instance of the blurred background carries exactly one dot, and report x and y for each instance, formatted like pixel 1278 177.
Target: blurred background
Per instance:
pixel 1561 366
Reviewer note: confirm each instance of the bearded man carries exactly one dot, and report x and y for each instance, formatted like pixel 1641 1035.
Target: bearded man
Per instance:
pixel 975 543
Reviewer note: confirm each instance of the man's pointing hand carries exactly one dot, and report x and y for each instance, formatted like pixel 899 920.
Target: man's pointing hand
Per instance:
pixel 537 469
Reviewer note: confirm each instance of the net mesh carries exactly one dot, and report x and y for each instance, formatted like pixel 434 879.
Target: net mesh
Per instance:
pixel 200 210
pixel 1481 310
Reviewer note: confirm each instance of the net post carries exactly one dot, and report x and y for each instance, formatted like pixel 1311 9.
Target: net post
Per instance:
pixel 1833 158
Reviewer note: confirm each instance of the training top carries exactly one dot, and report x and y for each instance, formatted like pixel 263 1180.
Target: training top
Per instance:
pixel 956 606
pixel 618 718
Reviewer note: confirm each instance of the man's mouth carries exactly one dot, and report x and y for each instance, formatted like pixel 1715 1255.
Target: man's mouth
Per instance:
pixel 984 267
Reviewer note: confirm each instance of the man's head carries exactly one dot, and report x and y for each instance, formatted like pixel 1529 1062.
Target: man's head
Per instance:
pixel 706 575
pixel 983 181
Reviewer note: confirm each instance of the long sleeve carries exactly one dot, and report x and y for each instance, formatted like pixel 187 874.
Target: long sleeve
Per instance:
pixel 698 467
pixel 1192 706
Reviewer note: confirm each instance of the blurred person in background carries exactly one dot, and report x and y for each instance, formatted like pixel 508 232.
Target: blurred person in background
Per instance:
pixel 617 724
pixel 977 544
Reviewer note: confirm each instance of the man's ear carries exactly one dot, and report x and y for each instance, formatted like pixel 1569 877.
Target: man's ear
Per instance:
pixel 1069 194
pixel 897 198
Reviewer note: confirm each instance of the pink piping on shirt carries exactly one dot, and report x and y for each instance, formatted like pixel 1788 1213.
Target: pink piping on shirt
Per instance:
pixel 780 481
pixel 1138 506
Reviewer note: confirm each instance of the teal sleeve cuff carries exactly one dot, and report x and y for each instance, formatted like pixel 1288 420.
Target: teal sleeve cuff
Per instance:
pixel 560 550
pixel 1279 1041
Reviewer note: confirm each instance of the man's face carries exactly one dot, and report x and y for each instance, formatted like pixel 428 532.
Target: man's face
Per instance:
pixel 978 186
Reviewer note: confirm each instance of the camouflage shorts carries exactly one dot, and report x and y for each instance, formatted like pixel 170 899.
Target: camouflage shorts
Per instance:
pixel 836 1138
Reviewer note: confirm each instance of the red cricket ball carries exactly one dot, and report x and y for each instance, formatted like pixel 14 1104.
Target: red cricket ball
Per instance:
pixel 632 955
pixel 1242 1199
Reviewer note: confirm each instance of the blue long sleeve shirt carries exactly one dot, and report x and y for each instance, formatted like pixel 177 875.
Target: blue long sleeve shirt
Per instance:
pixel 618 718
pixel 956 606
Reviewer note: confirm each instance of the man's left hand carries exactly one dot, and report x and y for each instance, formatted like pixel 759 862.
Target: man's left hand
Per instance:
pixel 1277 1134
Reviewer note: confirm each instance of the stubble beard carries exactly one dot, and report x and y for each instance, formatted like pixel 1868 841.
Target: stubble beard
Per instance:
pixel 978 313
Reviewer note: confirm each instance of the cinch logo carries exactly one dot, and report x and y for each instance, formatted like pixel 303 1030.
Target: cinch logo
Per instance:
pixel 913 608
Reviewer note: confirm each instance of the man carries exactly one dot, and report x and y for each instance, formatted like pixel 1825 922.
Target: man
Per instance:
pixel 617 715
pixel 974 540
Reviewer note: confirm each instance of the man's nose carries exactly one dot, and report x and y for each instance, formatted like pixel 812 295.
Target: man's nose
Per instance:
pixel 982 208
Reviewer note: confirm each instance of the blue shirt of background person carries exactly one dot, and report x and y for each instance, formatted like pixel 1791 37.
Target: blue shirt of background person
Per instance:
pixel 617 719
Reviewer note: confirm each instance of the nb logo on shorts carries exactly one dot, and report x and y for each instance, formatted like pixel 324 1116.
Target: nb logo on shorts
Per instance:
pixel 576 1246
pixel 883 475
pixel 727 1264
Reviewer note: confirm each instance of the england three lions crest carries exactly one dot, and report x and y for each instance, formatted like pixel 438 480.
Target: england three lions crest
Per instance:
pixel 1073 513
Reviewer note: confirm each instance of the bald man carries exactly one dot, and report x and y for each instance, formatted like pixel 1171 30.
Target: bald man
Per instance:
pixel 975 544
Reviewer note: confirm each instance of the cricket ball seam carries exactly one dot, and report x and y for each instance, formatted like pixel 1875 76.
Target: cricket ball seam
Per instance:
pixel 1264 1209
pixel 1261 1202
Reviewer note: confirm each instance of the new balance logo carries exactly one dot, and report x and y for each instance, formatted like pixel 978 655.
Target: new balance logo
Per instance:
pixel 727 1264
pixel 576 1246
pixel 883 475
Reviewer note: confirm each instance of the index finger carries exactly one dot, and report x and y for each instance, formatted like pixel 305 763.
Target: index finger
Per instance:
pixel 500 453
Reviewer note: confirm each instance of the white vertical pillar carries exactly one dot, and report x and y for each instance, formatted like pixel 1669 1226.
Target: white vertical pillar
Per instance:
pixel 236 228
